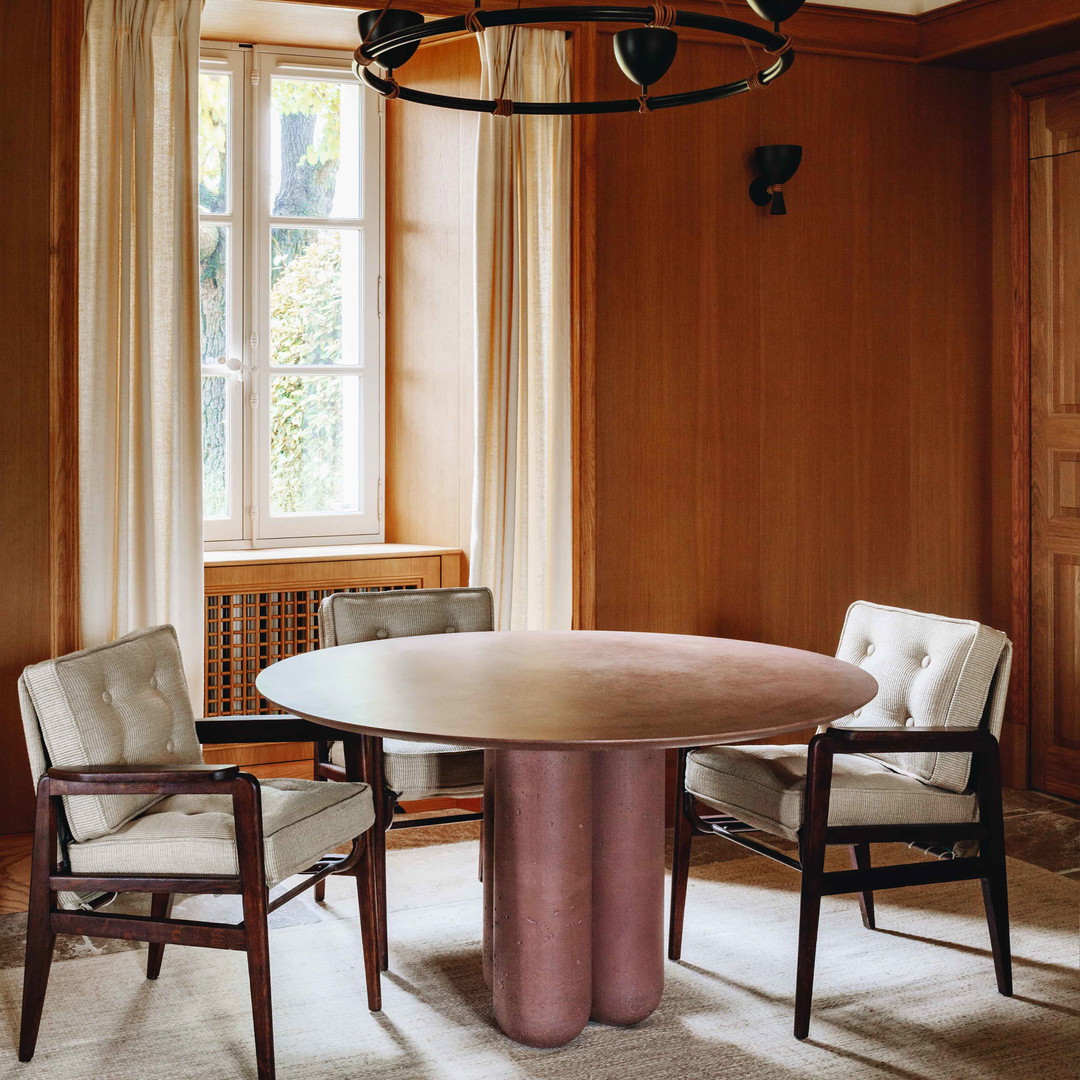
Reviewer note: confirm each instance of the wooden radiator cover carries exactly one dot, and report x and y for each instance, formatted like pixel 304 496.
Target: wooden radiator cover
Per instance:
pixel 263 606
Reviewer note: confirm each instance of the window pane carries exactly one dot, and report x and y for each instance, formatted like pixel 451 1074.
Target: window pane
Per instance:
pixel 315 148
pixel 214 96
pixel 215 447
pixel 314 296
pixel 213 251
pixel 314 444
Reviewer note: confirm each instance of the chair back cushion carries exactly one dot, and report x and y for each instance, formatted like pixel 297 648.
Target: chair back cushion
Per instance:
pixel 348 618
pixel 932 672
pixel 125 703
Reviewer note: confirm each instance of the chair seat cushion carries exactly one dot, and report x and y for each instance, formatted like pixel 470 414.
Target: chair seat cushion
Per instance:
pixel 416 770
pixel 763 786
pixel 195 834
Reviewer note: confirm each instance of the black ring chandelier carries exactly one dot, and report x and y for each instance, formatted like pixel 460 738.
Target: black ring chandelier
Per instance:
pixel 390 36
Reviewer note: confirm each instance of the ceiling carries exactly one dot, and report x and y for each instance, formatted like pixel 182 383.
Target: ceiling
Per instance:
pixel 335 27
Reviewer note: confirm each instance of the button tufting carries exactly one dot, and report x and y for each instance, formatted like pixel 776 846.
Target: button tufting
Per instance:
pixel 382 633
pixel 451 630
pixel 857 713
pixel 107 697
pixel 154 682
pixel 925 661
pixel 869 650
pixel 909 722
pixel 171 746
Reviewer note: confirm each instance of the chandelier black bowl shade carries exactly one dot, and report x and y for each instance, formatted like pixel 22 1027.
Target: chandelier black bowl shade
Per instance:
pixel 382 22
pixel 775 11
pixel 778 164
pixel 645 53
pixel 381 47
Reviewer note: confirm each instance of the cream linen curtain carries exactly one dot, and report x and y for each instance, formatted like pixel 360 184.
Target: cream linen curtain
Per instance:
pixel 521 529
pixel 140 473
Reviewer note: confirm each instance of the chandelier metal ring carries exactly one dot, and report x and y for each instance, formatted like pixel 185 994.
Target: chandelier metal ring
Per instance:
pixel 776 44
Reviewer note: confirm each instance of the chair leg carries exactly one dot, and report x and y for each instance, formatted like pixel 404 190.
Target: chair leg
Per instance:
pixel 860 860
pixel 367 895
pixel 247 813
pixel 39 939
pixel 812 857
pixel 680 870
pixel 160 906
pixel 995 887
pixel 322 754
pixel 996 900
pixel 379 859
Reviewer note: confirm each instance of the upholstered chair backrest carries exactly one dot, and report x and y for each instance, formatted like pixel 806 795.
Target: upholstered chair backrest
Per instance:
pixel 932 672
pixel 125 703
pixel 348 618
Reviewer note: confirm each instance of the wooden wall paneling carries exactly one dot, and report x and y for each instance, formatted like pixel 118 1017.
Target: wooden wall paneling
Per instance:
pixel 37 306
pixel 1055 123
pixel 67 26
pixel 1008 419
pixel 791 411
pixel 994 34
pixel 431 168
pixel 1054 195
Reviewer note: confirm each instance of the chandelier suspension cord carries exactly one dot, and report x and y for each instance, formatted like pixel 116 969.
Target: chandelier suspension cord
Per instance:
pixel 371 33
pixel 753 80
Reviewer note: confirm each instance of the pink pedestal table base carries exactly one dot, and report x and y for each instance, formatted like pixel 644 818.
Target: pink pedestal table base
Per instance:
pixel 573 889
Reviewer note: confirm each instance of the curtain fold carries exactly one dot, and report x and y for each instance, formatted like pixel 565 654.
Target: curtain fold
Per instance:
pixel 521 528
pixel 140 453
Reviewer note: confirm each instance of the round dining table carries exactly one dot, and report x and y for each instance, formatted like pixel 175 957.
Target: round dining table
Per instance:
pixel 575 725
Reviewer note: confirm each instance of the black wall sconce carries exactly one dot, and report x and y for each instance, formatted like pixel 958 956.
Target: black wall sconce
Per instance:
pixel 777 165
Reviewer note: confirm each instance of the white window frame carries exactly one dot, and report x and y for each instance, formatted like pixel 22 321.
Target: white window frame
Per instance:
pixel 249 522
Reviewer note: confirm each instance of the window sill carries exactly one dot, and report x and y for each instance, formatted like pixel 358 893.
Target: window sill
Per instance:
pixel 266 556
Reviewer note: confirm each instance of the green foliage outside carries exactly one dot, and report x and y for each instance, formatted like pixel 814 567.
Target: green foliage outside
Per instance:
pixel 305 300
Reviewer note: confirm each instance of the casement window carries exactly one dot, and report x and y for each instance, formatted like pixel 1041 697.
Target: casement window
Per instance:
pixel 290 244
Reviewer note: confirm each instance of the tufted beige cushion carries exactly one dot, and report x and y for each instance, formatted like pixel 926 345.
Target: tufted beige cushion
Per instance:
pixel 195 834
pixel 124 703
pixel 413 770
pixel 763 786
pixel 932 672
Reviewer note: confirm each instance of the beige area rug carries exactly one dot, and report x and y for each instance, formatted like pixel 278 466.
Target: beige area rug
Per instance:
pixel 916 999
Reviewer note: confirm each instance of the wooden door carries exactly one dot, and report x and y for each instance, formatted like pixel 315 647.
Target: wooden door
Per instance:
pixel 1055 442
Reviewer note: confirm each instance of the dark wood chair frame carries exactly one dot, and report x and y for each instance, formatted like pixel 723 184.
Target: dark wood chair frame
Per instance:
pixel 51 874
pixel 816 834
pixel 366 751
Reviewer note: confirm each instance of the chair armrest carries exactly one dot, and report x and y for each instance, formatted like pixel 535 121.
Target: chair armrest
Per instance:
pixel 246 729
pixel 143 774
pixel 908 741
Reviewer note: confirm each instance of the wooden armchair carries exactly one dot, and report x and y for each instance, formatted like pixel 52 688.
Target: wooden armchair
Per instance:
pixel 925 772
pixel 116 756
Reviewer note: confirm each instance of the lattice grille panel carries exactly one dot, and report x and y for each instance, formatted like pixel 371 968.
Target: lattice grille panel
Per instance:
pixel 247 631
